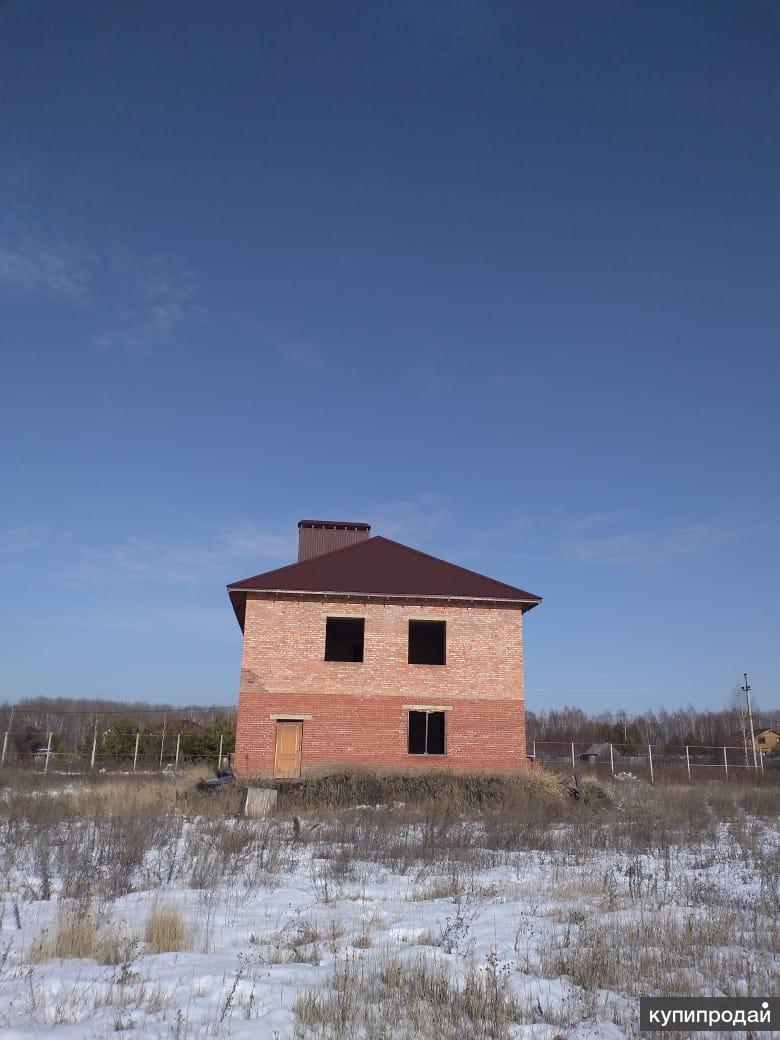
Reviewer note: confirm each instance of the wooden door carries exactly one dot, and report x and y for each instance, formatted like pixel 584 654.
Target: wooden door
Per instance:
pixel 287 765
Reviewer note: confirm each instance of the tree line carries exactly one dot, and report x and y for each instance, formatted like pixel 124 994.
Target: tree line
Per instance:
pixel 671 728
pixel 75 724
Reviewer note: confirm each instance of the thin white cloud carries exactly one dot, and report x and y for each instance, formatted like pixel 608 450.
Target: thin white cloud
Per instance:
pixel 215 560
pixel 58 270
pixel 419 521
pixel 255 541
pixel 600 519
pixel 19 539
pixel 238 550
pixel 154 296
pixel 609 537
pixel 213 625
pixel 297 351
pixel 139 559
pixel 648 548
pixel 134 302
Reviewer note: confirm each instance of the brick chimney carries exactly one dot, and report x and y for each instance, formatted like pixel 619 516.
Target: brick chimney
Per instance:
pixel 316 537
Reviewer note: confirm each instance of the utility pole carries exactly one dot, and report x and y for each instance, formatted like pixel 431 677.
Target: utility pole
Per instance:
pixel 162 742
pixel 746 691
pixel 94 744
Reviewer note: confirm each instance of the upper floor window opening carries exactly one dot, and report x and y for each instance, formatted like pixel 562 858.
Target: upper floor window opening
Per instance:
pixel 344 639
pixel 427 642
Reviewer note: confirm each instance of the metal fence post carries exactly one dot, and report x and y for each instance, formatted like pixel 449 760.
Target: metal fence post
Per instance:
pixel 612 759
pixel 48 754
pixel 573 764
pixel 178 743
pixel 650 755
pixel 219 758
pixel 135 753
pixel 533 752
pixel 5 747
pixel 162 744
pixel 688 762
pixel 94 746
pixel 725 762
pixel 761 760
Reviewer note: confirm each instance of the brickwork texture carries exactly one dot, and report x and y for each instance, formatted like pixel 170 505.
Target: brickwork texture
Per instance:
pixel 356 714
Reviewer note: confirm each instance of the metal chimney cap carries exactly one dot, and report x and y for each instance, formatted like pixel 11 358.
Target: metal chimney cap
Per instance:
pixel 336 525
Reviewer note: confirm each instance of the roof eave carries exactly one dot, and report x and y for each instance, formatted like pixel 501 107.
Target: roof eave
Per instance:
pixel 526 603
pixel 238 603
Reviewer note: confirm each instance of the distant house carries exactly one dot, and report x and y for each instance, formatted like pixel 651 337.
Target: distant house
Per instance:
pixel 595 753
pixel 766 740
pixel 368 652
pixel 30 743
pixel 602 753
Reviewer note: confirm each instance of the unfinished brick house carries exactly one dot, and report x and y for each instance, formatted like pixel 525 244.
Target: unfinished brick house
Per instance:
pixel 369 653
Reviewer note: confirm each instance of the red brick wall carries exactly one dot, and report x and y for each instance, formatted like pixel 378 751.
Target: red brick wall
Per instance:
pixel 358 713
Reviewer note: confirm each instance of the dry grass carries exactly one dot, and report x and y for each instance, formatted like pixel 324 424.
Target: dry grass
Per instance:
pixel 665 953
pixel 40 798
pixel 383 997
pixel 441 888
pixel 94 842
pixel 79 932
pixel 165 930
pixel 461 792
pixel 635 869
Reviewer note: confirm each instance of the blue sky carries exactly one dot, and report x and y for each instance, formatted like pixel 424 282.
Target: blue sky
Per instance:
pixel 499 278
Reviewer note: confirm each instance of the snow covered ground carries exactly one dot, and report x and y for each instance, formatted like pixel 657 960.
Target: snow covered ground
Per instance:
pixel 318 929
